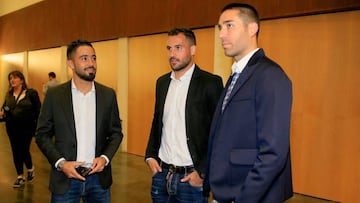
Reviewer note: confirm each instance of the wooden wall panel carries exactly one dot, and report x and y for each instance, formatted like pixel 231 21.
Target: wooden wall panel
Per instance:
pixel 8 63
pixel 106 57
pixel 53 23
pixel 40 63
pixel 205 48
pixel 147 61
pixel 319 53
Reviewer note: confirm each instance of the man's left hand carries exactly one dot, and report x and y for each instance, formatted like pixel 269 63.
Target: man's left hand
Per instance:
pixel 98 165
pixel 194 179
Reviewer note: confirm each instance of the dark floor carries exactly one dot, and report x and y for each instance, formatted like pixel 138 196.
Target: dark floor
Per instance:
pixel 131 179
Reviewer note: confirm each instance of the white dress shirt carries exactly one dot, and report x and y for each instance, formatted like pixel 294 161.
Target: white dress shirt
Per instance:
pixel 84 107
pixel 85 123
pixel 239 66
pixel 174 149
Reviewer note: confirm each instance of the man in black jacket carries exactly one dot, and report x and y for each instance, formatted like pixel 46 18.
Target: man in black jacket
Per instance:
pixel 79 128
pixel 185 101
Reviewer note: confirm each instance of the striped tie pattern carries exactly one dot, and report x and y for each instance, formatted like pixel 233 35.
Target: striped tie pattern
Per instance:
pixel 228 92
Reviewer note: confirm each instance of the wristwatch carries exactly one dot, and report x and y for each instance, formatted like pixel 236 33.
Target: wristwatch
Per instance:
pixel 60 165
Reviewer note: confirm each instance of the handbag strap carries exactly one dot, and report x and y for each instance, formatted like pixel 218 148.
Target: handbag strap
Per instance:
pixel 17 98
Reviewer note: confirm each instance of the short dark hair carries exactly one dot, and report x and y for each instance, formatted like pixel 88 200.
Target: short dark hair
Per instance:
pixel 247 12
pixel 74 45
pixel 189 34
pixel 52 74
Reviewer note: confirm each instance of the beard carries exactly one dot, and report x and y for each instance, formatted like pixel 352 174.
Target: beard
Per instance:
pixel 180 66
pixel 90 77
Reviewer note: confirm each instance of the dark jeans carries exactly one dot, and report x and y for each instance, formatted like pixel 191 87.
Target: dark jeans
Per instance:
pixel 90 191
pixel 163 191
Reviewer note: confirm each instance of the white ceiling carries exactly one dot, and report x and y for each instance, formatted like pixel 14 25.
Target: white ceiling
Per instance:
pixel 8 6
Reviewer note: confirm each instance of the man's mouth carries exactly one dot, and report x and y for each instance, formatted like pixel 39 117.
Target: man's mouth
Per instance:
pixel 173 60
pixel 90 69
pixel 226 45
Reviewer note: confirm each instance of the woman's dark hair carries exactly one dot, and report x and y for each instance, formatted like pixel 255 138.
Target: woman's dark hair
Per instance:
pixel 187 32
pixel 17 74
pixel 74 45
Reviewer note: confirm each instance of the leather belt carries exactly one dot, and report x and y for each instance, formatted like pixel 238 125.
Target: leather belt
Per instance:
pixel 177 169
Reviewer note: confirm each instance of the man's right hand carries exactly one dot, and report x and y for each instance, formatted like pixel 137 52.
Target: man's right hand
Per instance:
pixel 70 171
pixel 153 165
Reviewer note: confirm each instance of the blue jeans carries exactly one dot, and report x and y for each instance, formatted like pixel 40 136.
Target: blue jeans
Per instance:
pixel 163 191
pixel 90 191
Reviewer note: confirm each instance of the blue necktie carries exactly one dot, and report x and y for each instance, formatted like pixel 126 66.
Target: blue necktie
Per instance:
pixel 228 92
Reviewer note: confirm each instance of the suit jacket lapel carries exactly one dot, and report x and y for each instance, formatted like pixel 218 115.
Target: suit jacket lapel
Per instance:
pixel 247 72
pixel 163 87
pixel 99 103
pixel 65 100
pixel 193 85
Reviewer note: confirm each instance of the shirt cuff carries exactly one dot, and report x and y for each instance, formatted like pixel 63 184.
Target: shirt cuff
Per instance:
pixel 106 158
pixel 147 159
pixel 58 161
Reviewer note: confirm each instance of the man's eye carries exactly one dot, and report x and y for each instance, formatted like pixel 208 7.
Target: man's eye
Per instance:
pixel 229 25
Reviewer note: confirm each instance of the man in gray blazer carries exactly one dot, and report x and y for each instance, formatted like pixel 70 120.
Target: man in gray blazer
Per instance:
pixel 79 131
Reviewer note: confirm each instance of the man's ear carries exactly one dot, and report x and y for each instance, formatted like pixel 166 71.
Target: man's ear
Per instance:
pixel 70 64
pixel 253 28
pixel 192 50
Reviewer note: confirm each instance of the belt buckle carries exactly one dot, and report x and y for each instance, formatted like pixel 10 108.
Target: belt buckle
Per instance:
pixel 172 169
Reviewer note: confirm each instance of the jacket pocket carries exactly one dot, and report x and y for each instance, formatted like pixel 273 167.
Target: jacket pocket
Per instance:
pixel 243 156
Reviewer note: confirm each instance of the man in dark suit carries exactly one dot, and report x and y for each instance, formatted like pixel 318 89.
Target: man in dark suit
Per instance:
pixel 249 150
pixel 79 131
pixel 185 102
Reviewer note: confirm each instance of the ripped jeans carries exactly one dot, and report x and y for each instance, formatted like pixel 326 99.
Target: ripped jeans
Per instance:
pixel 167 188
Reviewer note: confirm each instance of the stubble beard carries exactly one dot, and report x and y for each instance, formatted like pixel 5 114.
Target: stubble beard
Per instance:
pixel 181 66
pixel 85 77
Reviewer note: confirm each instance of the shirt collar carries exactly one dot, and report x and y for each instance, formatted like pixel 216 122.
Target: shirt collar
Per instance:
pixel 73 86
pixel 240 65
pixel 186 76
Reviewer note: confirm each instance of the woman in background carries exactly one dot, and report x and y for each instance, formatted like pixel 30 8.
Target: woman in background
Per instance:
pixel 20 112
